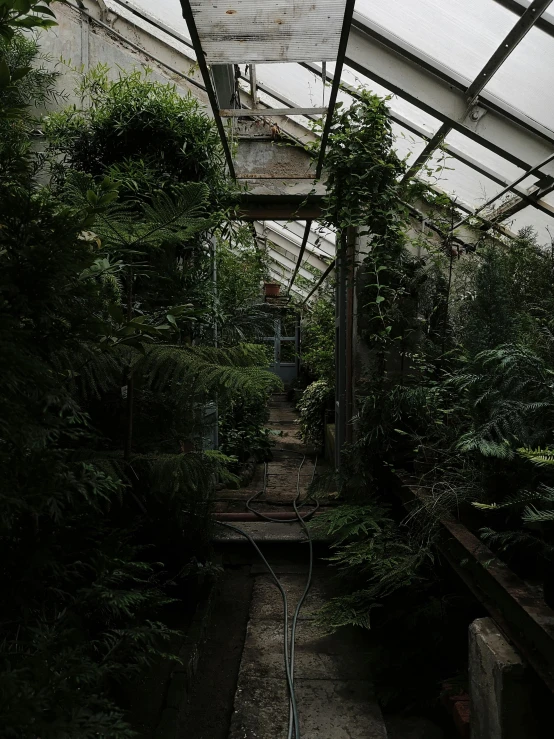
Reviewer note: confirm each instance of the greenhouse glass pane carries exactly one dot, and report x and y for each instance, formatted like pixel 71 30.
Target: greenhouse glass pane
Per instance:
pixel 397 105
pixel 526 79
pixel 530 216
pixel 294 82
pixel 460 35
pixel 483 156
pixel 168 11
pixel 468 187
pixel 406 144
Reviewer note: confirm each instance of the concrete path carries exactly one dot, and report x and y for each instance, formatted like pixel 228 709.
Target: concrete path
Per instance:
pixel 333 685
pixel 333 689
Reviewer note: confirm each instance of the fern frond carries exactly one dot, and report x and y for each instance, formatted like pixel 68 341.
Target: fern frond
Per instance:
pixel 533 515
pixel 522 498
pixel 540 457
pixel 189 370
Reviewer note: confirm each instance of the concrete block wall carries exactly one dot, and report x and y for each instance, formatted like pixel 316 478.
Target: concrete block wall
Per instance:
pixel 500 686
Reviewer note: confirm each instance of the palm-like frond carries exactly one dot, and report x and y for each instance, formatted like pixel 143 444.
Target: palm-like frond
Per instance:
pixel 174 216
pixel 540 457
pixel 190 371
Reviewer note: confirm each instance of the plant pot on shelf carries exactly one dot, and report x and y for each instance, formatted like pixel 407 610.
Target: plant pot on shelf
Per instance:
pixel 272 289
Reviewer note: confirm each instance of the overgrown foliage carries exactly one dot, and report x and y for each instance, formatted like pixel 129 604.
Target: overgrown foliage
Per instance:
pixel 456 384
pixel 108 360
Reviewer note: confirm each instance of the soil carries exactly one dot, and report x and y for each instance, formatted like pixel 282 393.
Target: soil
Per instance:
pixel 210 707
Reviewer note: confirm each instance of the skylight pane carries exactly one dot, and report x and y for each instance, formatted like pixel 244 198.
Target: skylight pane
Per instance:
pixel 407 145
pixel 397 105
pixel 526 79
pixel 293 81
pixel 460 35
pixel 461 182
pixel 483 156
pixel 167 11
pixel 530 216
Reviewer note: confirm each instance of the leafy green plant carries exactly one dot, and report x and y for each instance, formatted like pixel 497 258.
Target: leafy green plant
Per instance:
pixel 105 378
pixel 312 407
pixel 318 338
pixel 372 551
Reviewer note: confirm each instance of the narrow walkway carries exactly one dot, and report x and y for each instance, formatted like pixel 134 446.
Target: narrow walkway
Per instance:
pixel 333 686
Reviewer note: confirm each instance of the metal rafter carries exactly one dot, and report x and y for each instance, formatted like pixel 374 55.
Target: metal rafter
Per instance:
pixel 529 18
pixel 526 22
pixel 515 204
pixel 321 280
pixel 343 43
pixel 305 238
pixel 436 89
pixel 489 202
pixel 520 6
pixel 191 24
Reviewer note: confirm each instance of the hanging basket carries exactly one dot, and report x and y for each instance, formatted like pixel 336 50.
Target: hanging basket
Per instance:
pixel 271 289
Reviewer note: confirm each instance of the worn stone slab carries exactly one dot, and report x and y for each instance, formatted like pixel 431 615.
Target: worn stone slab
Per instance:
pixel 267 602
pixel 327 709
pixel 262 531
pixel 338 709
pixel 499 686
pixel 413 727
pixel 318 656
pixel 260 709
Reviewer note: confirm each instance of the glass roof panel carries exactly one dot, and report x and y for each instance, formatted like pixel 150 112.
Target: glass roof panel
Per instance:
pixel 526 78
pixel 168 11
pixel 397 105
pixel 461 182
pixel 407 144
pixel 291 80
pixel 461 35
pixel 530 216
pixel 483 156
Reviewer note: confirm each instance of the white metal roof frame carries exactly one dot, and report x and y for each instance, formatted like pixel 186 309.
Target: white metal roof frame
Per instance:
pixel 455 108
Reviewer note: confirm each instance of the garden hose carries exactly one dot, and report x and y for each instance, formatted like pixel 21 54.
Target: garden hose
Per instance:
pixel 288 647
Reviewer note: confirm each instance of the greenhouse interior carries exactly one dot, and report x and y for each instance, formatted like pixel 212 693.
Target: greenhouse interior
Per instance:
pixel 277 358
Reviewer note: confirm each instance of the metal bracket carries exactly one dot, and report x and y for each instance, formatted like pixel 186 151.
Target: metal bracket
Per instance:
pixel 476 113
pixel 106 16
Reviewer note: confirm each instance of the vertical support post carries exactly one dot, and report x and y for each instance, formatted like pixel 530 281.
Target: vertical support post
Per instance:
pixel 216 333
pixel 253 86
pixel 297 344
pixel 277 343
pixel 349 327
pixel 340 347
pixel 85 43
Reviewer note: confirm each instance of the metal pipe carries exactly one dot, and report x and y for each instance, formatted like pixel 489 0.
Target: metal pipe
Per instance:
pixel 301 254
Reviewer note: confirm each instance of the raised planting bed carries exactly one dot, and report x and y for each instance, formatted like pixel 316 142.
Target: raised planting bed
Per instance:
pixel 514 605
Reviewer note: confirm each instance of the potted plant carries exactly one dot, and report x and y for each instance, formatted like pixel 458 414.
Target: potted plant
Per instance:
pixel 271 289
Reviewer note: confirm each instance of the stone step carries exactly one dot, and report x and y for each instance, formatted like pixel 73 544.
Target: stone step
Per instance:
pixel 318 656
pixel 327 709
pixel 262 531
pixel 267 601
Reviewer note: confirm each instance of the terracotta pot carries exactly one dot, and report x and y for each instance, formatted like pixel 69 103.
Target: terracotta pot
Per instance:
pixel 272 289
